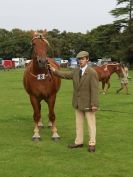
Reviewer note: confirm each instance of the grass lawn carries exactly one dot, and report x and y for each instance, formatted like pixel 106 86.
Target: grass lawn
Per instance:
pixel 21 157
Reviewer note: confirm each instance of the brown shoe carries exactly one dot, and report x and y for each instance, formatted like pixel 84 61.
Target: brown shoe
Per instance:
pixel 91 148
pixel 75 145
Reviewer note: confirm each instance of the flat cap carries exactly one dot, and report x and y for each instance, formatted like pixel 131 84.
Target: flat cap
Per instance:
pixel 82 54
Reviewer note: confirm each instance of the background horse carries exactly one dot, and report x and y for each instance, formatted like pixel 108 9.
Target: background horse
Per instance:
pixel 41 84
pixel 105 72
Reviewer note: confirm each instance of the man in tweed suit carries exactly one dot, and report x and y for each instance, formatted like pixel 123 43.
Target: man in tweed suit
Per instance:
pixel 85 98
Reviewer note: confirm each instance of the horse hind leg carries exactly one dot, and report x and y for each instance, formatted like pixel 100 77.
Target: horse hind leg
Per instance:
pixel 40 123
pixel 51 103
pixel 49 123
pixel 37 115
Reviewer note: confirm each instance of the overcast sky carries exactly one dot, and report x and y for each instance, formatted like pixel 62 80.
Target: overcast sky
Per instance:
pixel 69 15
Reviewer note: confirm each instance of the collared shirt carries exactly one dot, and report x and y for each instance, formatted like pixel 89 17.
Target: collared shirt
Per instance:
pixel 83 69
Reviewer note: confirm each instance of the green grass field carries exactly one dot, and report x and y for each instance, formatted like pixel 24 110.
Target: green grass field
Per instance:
pixel 21 157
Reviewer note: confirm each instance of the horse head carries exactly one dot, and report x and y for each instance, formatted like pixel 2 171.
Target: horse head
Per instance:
pixel 40 49
pixel 119 70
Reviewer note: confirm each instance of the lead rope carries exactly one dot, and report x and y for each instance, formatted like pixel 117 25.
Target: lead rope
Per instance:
pixel 49 71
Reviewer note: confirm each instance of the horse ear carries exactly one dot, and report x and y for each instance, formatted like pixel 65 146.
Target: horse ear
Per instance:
pixel 44 33
pixel 35 34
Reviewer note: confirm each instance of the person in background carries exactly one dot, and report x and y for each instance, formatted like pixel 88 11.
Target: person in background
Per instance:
pixel 85 98
pixel 124 81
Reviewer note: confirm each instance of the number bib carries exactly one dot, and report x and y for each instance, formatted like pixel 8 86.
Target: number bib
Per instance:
pixel 41 77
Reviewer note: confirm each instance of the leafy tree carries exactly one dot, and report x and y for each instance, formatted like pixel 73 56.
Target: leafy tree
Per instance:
pixel 15 43
pixel 100 40
pixel 125 13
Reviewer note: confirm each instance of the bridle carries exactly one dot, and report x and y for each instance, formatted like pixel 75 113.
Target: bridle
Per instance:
pixel 49 73
pixel 42 38
pixel 46 65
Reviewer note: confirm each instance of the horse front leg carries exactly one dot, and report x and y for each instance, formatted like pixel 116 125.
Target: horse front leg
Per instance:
pixel 51 103
pixel 108 85
pixel 103 87
pixel 40 123
pixel 36 115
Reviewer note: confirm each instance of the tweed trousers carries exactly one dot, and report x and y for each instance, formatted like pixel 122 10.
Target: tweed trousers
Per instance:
pixel 91 121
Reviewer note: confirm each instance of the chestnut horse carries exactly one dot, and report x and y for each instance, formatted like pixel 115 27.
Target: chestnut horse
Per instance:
pixel 105 72
pixel 41 84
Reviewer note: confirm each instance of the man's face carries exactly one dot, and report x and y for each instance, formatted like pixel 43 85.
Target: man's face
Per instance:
pixel 83 61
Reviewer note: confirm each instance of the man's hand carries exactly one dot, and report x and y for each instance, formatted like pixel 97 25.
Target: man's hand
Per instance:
pixel 94 108
pixel 52 68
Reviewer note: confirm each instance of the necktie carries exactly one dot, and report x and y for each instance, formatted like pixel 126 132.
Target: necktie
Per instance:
pixel 80 73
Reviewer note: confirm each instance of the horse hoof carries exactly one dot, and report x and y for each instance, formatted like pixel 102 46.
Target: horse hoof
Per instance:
pixel 36 138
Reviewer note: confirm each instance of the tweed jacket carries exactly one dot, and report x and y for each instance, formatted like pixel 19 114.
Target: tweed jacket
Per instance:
pixel 86 89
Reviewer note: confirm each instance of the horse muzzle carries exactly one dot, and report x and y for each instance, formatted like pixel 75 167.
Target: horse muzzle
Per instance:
pixel 42 62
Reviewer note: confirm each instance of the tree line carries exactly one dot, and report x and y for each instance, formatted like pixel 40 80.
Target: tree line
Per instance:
pixel 113 41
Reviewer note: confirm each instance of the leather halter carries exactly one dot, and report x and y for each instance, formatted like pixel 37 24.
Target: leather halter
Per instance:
pixel 49 74
pixel 41 37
